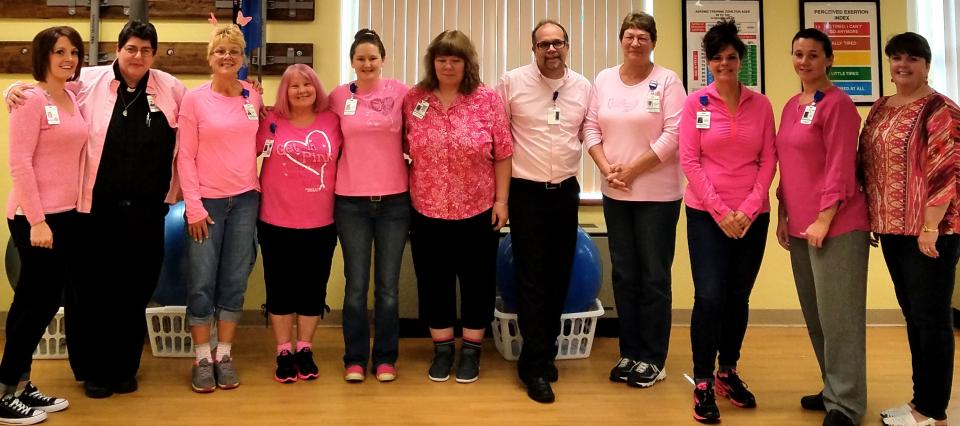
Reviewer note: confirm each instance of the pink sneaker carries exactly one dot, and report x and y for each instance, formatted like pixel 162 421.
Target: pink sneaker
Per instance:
pixel 353 373
pixel 386 372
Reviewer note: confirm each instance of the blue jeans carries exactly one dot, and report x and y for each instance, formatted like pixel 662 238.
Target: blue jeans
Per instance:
pixel 363 222
pixel 218 267
pixel 642 237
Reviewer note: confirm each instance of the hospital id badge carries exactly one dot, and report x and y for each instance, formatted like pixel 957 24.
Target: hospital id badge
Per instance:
pixel 267 148
pixel 653 103
pixel 53 115
pixel 808 113
pixel 420 110
pixel 703 119
pixel 553 116
pixel 350 107
pixel 251 112
pixel 152 103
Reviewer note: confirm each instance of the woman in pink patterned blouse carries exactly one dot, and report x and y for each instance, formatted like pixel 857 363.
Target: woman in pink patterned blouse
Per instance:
pixel 909 160
pixel 460 144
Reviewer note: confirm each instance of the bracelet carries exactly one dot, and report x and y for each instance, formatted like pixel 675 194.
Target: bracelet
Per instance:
pixel 926 229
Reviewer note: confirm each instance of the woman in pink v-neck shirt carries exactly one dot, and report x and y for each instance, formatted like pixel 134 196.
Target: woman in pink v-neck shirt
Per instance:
pixel 47 139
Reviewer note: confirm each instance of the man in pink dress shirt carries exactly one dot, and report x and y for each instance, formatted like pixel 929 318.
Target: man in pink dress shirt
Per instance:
pixel 546 104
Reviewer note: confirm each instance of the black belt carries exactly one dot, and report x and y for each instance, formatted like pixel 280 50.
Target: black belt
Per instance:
pixel 545 185
pixel 375 198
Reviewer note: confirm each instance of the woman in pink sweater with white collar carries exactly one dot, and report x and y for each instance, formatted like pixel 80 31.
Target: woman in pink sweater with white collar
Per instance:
pixel 47 138
pixel 727 153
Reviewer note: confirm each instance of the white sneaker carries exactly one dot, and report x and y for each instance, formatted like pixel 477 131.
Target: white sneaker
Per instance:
pixel 908 420
pixel 14 412
pixel 35 399
pixel 896 411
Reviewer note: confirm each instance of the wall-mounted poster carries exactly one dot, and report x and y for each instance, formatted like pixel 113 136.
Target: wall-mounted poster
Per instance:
pixel 854 28
pixel 699 16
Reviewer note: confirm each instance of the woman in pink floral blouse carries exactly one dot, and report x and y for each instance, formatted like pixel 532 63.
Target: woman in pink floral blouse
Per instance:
pixel 909 159
pixel 460 144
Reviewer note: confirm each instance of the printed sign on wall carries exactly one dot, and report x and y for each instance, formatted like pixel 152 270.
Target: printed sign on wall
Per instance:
pixel 701 15
pixel 853 28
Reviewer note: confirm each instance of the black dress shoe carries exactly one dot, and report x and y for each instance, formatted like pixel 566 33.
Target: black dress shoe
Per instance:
pixel 552 374
pixel 538 389
pixel 836 418
pixel 813 402
pixel 96 390
pixel 126 386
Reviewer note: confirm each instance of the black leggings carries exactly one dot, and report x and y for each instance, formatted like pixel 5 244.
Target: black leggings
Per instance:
pixel 296 267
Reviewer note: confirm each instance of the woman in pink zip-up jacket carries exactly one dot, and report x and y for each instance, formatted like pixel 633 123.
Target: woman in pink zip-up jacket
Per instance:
pixel 47 137
pixel 218 175
pixel 727 154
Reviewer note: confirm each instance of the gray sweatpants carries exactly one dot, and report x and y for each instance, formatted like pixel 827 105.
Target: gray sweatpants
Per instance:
pixel 832 286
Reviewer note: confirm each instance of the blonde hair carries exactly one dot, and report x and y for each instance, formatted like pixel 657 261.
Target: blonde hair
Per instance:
pixel 228 33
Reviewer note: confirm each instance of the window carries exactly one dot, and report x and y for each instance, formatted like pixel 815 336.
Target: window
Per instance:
pixel 500 30
pixel 937 20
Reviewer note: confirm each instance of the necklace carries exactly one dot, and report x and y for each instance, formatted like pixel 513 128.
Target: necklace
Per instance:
pixel 126 105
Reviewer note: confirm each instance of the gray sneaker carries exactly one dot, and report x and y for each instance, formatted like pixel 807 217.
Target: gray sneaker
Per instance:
pixel 227 377
pixel 203 381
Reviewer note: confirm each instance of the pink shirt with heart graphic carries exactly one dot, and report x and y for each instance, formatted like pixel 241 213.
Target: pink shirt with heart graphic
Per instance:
pixel 299 171
pixel 372 162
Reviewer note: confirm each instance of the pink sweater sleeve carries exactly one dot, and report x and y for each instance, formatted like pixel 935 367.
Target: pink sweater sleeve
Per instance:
pixel 592 135
pixel 24 135
pixel 841 131
pixel 671 106
pixel 690 161
pixel 188 137
pixel 767 162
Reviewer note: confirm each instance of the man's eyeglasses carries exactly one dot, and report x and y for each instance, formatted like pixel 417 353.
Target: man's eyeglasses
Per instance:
pixel 557 44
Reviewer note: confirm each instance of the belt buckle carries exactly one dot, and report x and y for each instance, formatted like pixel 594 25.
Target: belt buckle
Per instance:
pixel 549 185
pixel 376 198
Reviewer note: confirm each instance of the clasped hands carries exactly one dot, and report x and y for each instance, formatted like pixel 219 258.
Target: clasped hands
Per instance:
pixel 735 224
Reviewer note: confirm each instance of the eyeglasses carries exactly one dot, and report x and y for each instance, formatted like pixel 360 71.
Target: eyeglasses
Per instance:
pixel 629 39
pixel 223 53
pixel 557 44
pixel 133 50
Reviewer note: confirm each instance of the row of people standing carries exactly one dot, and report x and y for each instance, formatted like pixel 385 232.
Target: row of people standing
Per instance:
pixel 460 143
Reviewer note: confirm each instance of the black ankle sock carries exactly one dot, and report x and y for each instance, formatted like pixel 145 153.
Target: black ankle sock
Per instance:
pixel 442 343
pixel 467 343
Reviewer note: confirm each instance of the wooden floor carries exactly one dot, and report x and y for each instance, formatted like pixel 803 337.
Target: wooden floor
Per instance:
pixel 777 363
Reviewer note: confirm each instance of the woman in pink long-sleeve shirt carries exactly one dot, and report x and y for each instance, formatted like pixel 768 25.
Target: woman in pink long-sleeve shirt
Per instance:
pixel 631 131
pixel 823 223
pixel 727 154
pixel 218 175
pixel 47 137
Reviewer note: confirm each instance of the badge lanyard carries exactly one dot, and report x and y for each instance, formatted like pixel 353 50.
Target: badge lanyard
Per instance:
pixel 810 110
pixel 51 111
pixel 268 145
pixel 653 99
pixel 703 116
pixel 553 117
pixel 350 107
pixel 248 107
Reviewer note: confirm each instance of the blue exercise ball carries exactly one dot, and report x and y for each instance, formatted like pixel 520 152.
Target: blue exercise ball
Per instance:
pixel 584 278
pixel 172 285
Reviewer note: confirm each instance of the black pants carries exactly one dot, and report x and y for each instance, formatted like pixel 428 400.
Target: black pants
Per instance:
pixel 445 251
pixel 543 227
pixel 724 271
pixel 643 238
pixel 923 286
pixel 122 251
pixel 43 275
pixel 296 267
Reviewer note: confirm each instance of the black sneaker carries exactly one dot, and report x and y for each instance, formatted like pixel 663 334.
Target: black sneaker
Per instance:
pixel 306 368
pixel 442 363
pixel 729 385
pixel 14 412
pixel 33 398
pixel 468 371
pixel 644 375
pixel 813 402
pixel 621 371
pixel 705 408
pixel 286 368
pixel 836 418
